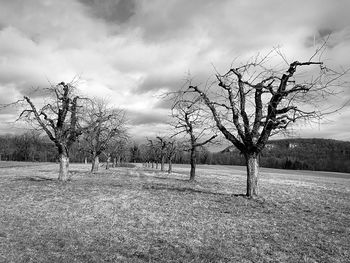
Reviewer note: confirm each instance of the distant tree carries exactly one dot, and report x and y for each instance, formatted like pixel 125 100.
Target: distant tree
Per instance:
pixel 173 149
pixel 254 101
pixel 104 124
pixel 27 146
pixel 152 153
pixel 118 150
pixel 135 153
pixel 162 147
pixel 191 122
pixel 59 119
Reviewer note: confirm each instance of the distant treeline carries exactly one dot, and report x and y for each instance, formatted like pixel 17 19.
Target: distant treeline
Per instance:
pixel 33 147
pixel 296 154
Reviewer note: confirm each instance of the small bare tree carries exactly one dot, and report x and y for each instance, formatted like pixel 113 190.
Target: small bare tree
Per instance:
pixel 161 146
pixel 59 119
pixel 254 101
pixel 191 120
pixel 105 123
pixel 118 149
pixel 152 153
pixel 171 150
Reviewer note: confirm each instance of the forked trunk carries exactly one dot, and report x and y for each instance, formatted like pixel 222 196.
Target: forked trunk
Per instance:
pixel 193 164
pixel 252 162
pixel 95 163
pixel 64 165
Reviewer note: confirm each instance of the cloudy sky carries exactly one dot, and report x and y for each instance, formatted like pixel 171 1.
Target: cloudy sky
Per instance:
pixel 130 51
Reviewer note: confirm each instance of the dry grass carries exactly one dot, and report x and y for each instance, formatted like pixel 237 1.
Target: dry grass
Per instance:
pixel 136 215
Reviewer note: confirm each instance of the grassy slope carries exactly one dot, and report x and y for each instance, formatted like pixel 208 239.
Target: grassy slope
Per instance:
pixel 134 215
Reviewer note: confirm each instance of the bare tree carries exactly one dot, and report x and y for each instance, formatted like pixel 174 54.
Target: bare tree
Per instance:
pixel 105 123
pixel 252 102
pixel 118 149
pixel 173 147
pixel 191 121
pixel 161 145
pixel 153 153
pixel 59 119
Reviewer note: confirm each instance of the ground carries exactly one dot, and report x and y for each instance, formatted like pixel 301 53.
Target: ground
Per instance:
pixel 140 215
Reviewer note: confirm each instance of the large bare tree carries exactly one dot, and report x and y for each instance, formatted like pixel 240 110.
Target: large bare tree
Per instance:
pixel 104 124
pixel 59 119
pixel 254 101
pixel 191 121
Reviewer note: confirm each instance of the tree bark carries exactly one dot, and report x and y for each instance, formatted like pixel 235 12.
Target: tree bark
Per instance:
pixel 253 169
pixel 108 162
pixel 64 165
pixel 114 162
pixel 162 163
pixel 170 169
pixel 85 160
pixel 95 163
pixel 193 164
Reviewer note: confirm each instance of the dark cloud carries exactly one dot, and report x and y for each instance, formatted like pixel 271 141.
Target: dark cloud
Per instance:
pixel 157 82
pixel 164 20
pixel 149 118
pixel 163 104
pixel 168 83
pixel 115 11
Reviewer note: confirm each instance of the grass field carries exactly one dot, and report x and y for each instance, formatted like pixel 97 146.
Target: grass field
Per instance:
pixel 137 215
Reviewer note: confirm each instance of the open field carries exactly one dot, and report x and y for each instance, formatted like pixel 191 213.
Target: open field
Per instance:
pixel 137 215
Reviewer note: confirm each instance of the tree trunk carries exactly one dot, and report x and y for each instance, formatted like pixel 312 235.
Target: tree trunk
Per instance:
pixel 107 162
pixel 64 165
pixel 152 165
pixel 170 169
pixel 252 162
pixel 162 163
pixel 118 160
pixel 85 160
pixel 95 163
pixel 157 165
pixel 114 162
pixel 193 164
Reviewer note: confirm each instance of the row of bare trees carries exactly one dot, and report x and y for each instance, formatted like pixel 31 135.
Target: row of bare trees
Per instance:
pixel 160 150
pixel 246 105
pixel 67 117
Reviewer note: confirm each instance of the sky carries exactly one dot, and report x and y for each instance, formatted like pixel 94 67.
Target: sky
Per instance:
pixel 132 51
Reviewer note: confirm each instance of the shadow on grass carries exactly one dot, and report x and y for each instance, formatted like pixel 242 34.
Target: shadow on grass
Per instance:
pixel 171 179
pixel 188 189
pixel 34 179
pixel 161 250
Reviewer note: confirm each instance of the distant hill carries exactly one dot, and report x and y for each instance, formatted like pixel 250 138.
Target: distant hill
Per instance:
pixel 305 154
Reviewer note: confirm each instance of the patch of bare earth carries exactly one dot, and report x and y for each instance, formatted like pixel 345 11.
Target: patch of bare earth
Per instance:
pixel 139 215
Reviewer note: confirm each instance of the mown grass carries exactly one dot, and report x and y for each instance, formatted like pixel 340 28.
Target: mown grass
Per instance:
pixel 139 215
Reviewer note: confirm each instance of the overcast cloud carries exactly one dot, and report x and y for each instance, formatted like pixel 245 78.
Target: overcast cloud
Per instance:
pixel 132 51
